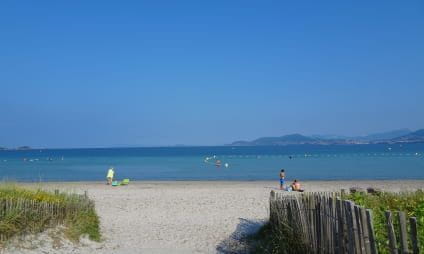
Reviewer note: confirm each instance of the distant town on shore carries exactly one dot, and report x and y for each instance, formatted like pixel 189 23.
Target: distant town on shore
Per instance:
pixel 391 137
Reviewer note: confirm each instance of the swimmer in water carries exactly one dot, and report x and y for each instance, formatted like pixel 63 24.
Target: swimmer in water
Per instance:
pixel 218 163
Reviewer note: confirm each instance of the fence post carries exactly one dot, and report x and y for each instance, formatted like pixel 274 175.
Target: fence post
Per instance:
pixel 312 213
pixel 354 229
pixel 329 217
pixel 342 193
pixel 403 233
pixel 365 230
pixel 324 223
pixel 334 223
pixel 414 238
pixel 391 233
pixel 371 232
pixel 318 224
pixel 360 232
pixel 271 204
pixel 340 229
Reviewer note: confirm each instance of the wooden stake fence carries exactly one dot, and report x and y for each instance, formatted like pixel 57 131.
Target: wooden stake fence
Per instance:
pixel 55 212
pixel 322 222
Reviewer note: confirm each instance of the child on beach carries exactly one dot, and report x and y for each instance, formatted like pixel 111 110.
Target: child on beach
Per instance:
pixel 282 177
pixel 110 174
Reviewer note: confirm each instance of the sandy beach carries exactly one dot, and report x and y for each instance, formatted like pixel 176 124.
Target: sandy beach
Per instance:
pixel 177 217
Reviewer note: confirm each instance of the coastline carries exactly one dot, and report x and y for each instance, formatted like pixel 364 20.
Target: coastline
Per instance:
pixel 365 180
pixel 308 185
pixel 181 216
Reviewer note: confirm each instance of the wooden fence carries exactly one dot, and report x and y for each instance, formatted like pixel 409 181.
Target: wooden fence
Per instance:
pixel 324 223
pixel 53 212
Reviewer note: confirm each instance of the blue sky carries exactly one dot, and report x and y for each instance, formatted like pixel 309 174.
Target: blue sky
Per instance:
pixel 116 73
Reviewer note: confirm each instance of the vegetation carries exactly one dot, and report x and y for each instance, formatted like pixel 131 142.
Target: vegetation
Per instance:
pixel 31 211
pixel 275 239
pixel 412 203
pixel 278 236
pixel 281 238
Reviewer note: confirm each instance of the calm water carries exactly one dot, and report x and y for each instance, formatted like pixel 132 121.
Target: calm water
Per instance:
pixel 306 162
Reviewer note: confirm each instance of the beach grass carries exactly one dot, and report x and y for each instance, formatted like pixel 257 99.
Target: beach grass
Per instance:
pixel 270 239
pixel 277 238
pixel 28 211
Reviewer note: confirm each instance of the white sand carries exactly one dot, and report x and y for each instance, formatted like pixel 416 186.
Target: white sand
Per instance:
pixel 178 217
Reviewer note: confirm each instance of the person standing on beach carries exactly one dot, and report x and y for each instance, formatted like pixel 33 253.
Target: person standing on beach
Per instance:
pixel 110 174
pixel 282 177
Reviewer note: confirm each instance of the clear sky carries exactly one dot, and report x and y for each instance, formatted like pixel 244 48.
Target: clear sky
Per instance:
pixel 116 73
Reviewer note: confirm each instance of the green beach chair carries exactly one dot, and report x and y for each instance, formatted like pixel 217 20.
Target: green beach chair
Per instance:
pixel 125 181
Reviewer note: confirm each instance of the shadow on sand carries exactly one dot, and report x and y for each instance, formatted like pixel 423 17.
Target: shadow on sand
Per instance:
pixel 238 241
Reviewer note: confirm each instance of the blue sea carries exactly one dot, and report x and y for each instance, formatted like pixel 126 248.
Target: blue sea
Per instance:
pixel 305 162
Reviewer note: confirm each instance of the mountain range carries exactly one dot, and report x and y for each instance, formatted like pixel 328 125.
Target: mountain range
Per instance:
pixel 391 137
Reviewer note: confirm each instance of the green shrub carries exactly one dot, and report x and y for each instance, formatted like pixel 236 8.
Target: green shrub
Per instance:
pixel 277 239
pixel 86 222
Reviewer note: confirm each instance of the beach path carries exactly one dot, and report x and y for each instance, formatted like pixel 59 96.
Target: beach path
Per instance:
pixel 188 217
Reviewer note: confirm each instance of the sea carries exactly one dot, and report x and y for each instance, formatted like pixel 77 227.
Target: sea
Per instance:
pixel 303 162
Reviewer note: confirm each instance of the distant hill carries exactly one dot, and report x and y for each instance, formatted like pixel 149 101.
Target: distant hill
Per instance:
pixel 370 137
pixel 17 148
pixel 396 136
pixel 413 137
pixel 329 136
pixel 385 135
pixel 284 140
pixel 24 148
pixel 292 139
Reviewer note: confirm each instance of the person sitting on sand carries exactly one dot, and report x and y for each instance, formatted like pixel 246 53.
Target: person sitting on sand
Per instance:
pixel 282 177
pixel 296 186
pixel 110 174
